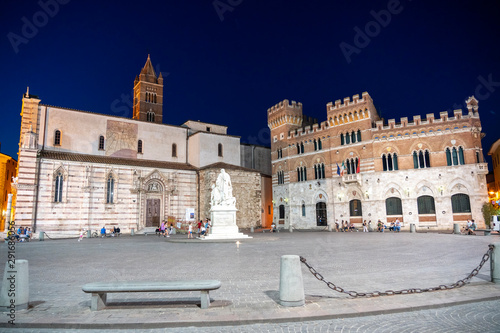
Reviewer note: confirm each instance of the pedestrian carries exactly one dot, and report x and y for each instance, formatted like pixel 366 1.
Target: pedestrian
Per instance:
pixel 199 226
pixel 81 235
pixel 190 230
pixel 365 226
pixel 397 225
pixel 337 225
pixel 103 232
pixel 162 228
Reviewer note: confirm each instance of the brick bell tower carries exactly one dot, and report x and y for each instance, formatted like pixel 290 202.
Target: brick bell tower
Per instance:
pixel 148 95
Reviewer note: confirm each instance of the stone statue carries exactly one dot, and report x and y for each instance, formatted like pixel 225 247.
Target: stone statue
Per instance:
pixel 222 191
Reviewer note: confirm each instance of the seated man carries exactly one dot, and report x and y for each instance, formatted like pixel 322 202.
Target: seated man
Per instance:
pixel 103 232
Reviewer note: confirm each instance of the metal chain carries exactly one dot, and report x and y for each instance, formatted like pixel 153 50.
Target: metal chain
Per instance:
pixel 457 284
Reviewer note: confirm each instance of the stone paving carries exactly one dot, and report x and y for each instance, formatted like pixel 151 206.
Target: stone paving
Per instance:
pixel 250 281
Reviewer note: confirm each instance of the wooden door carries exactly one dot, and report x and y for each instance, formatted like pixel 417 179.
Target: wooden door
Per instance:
pixel 153 213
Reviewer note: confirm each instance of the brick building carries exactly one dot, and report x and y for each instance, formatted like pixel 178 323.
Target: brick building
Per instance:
pixel 353 166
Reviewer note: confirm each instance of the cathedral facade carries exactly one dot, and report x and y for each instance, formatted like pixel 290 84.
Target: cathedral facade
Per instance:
pixel 354 167
pixel 82 170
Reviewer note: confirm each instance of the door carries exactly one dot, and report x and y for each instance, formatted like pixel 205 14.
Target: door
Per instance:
pixel 321 214
pixel 153 213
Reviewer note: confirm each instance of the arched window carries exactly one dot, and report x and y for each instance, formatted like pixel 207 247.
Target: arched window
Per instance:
pixel 321 215
pixel 393 206
pixel 454 156
pixel 320 145
pixel 302 148
pixel 174 150
pixel 461 155
pixel 57 138
pixel 425 205
pixel 384 162
pixel 315 145
pixel 58 188
pixel 139 146
pixel 347 138
pixel 220 150
pixel 448 157
pixel 355 208
pixel 151 116
pixel 421 159
pixel 353 137
pixel 303 209
pixel 460 203
pixel 359 136
pixel 395 161
pixel 298 148
pixel 341 139
pixel 282 212
pixel 101 142
pixel 110 189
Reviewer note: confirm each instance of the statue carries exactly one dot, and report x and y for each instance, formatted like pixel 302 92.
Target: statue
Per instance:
pixel 222 191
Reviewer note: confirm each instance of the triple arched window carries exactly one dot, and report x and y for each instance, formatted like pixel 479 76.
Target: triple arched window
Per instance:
pixel 280 153
pixel 390 162
pixel 319 171
pixel 421 159
pixel 455 156
pixel 301 174
pixel 351 165
pixel 150 97
pixel 281 177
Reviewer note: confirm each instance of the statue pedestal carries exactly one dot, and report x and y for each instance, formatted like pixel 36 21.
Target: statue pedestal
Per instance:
pixel 224 224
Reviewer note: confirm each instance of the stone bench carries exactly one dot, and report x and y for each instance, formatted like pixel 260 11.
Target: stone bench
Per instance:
pixel 100 290
pixel 487 232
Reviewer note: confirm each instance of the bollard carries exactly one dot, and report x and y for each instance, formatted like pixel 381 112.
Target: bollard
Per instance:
pixel 329 228
pixel 89 234
pixel 132 232
pixel 40 236
pixel 251 230
pixel 495 263
pixel 412 228
pixel 291 285
pixel 15 277
pixel 456 228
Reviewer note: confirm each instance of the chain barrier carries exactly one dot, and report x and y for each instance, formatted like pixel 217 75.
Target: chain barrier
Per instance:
pixel 458 284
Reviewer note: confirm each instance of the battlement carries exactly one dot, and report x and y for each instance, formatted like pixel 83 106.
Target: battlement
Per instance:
pixel 285 104
pixel 365 97
pixel 417 120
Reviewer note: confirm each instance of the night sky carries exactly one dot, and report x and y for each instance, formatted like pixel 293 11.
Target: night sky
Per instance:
pixel 227 61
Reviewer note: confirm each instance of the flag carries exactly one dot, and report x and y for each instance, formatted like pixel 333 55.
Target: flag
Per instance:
pixel 342 169
pixel 357 169
pixel 338 169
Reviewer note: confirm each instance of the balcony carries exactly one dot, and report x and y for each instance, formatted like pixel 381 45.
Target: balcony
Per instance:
pixel 482 168
pixel 352 178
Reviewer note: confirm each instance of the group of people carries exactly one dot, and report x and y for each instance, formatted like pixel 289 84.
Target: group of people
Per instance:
pixel 164 229
pixel 345 226
pixel 23 233
pixel 470 228
pixel 203 228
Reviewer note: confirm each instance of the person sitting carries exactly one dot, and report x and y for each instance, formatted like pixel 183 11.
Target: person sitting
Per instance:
pixel 391 227
pixel 472 228
pixel 118 232
pixel 351 227
pixel 28 234
pixel 203 231
pixel 273 227
pixel 103 232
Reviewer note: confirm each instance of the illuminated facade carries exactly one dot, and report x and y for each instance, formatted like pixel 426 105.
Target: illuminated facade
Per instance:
pixel 353 166
pixel 8 167
pixel 82 170
pixel 494 190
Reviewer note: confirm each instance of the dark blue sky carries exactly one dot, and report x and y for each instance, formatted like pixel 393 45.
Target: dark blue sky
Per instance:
pixel 228 61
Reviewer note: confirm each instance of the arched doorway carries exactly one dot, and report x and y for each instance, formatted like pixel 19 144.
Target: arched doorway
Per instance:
pixel 154 196
pixel 321 219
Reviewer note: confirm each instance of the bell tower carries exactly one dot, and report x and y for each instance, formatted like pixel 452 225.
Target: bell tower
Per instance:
pixel 148 95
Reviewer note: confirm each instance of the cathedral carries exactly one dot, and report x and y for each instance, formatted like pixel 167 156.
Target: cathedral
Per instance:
pixel 80 170
pixel 355 167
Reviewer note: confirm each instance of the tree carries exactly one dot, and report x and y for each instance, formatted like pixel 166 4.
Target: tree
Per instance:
pixel 488 211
